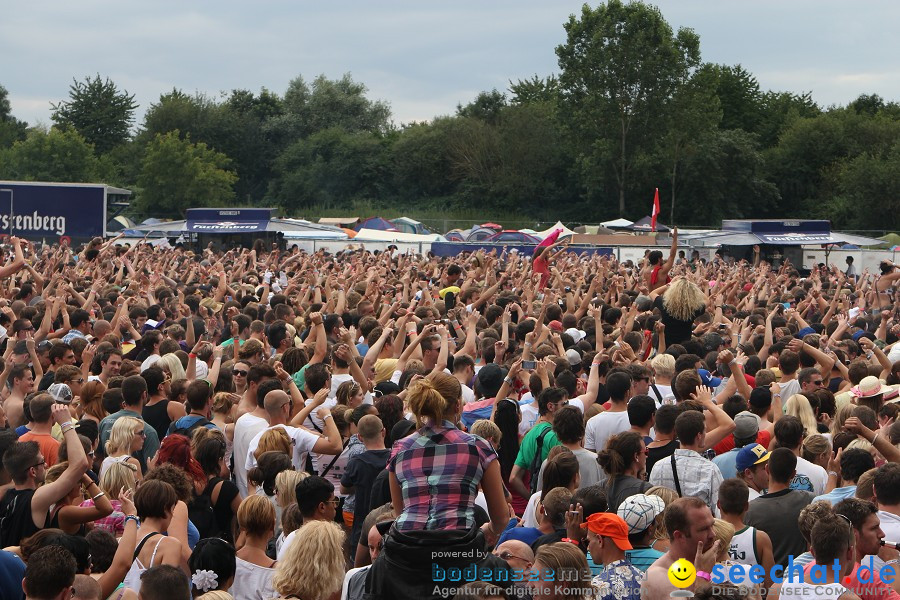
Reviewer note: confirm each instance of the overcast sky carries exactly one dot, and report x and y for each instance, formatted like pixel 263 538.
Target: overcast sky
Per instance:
pixel 421 57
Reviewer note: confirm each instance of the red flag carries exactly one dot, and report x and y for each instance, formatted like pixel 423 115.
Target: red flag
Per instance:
pixel 655 210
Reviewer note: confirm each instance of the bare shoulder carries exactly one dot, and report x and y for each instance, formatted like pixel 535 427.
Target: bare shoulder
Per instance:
pixel 656 585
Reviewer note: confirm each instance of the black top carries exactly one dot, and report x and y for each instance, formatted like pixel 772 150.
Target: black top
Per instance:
pixel 47 380
pixel 677 331
pixel 622 487
pixel 222 506
pixel 16 522
pixel 157 415
pixel 656 454
pixel 360 474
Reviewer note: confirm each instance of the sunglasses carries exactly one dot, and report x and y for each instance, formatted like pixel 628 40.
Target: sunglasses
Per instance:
pixel 239 373
pixel 141 433
pixel 506 555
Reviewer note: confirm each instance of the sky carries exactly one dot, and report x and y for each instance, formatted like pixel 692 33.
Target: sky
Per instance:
pixel 422 58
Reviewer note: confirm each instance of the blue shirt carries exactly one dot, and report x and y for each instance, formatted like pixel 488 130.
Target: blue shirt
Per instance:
pixel 12 571
pixel 523 534
pixel 642 558
pixel 838 494
pixel 727 463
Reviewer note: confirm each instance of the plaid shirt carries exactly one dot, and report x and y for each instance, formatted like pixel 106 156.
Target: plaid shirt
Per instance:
pixel 114 522
pixel 439 468
pixel 698 476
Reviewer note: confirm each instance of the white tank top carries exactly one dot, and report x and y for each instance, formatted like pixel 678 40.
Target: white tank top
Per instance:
pixel 133 577
pixel 825 591
pixel 743 547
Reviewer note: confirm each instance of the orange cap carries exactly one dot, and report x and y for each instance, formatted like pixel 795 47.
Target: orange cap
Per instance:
pixel 609 525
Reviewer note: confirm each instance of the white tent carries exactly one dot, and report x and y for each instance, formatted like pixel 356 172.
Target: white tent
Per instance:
pixel 617 223
pixel 565 231
pixel 395 236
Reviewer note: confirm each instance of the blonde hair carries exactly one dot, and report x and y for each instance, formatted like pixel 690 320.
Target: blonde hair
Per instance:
pixel 92 399
pixel 798 406
pixel 313 566
pixel 861 444
pixel 814 446
pixel 201 434
pixel 346 391
pixel 256 515
pixel 215 595
pixel 54 472
pixel 486 429
pixel 249 349
pixel 842 414
pixel 569 566
pixel 222 403
pixel 683 299
pixel 121 435
pixel 172 364
pixel 668 496
pixel 273 440
pixel 118 475
pixel 663 365
pixel 286 486
pixel 723 531
pixel 435 397
pixel 865 485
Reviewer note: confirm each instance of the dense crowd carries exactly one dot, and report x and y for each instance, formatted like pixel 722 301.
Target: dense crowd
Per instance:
pixel 264 423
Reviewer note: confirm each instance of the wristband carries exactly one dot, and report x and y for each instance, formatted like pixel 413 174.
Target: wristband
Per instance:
pixel 328 416
pixel 833 474
pixel 132 518
pixel 873 439
pixel 66 424
pixel 704 575
pixel 571 541
pixel 192 355
pixel 98 496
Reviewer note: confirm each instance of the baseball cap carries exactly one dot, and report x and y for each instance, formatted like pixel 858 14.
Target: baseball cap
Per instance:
pixel 573 357
pixel 746 425
pixel 748 456
pixel 555 326
pixel 708 379
pixel 60 392
pixel 576 334
pixel 804 332
pixel 639 511
pixel 611 526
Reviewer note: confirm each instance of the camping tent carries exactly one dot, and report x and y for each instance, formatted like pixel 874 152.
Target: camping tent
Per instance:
pixel 644 225
pixel 565 231
pixel 594 230
pixel 479 234
pixel 890 240
pixel 407 225
pixel 375 223
pixel 395 236
pixel 618 224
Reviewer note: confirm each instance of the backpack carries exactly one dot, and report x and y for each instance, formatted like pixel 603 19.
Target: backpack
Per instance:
pixel 201 513
pixel 187 431
pixel 537 461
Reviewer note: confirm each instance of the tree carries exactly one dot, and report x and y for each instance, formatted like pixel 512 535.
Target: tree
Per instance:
pixel 620 65
pixel 486 106
pixel 869 189
pixel 11 129
pixel 331 169
pixel 98 111
pixel 739 96
pixel 177 174
pixel 535 90
pixel 51 156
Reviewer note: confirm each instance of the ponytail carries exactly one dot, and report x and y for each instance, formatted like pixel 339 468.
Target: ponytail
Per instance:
pixel 619 454
pixel 436 397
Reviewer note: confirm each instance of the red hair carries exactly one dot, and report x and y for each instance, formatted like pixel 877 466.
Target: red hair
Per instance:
pixel 176 450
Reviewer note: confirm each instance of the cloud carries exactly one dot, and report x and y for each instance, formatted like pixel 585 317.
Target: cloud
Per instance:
pixel 423 58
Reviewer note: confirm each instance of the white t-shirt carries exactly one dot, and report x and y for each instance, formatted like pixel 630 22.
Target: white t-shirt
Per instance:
pixel 246 427
pixel 149 362
pixel 303 442
pixel 317 425
pixel 252 582
pixel 809 475
pixel 602 427
pixel 789 389
pixel 665 391
pixel 530 416
pixel 529 517
pixel 468 395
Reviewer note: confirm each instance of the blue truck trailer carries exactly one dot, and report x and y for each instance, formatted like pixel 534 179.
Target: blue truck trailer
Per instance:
pixel 39 210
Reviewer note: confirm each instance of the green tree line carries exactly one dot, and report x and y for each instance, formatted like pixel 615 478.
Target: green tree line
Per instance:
pixel 633 107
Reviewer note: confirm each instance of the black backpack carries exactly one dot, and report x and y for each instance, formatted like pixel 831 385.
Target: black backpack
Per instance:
pixel 187 432
pixel 201 513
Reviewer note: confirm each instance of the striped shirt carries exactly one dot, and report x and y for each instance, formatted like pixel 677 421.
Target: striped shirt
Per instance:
pixel 439 469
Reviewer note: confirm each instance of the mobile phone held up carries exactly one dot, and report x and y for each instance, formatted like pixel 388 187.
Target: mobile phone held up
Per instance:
pixel 529 365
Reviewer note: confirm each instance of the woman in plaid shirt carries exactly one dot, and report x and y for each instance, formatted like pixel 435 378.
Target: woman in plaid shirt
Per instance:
pixel 435 472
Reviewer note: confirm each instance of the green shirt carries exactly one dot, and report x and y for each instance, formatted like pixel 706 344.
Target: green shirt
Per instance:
pixel 300 377
pixel 528 446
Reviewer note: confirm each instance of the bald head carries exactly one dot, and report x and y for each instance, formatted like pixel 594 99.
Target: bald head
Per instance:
pixel 274 401
pixel 369 428
pixel 517 553
pixel 101 328
pixel 86 587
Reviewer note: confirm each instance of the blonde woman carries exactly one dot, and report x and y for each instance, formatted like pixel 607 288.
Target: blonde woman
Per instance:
pixel 118 476
pixel 171 365
pixel 798 406
pixel 313 566
pixel 223 416
pixel 286 496
pixel 842 414
pixel 255 570
pixel 663 372
pixel 679 304
pixel 350 394
pixel 125 438
pixel 668 496
pixel 816 449
pixel 272 440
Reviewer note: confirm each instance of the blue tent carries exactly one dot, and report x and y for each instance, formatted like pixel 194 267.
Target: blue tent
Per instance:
pixel 376 223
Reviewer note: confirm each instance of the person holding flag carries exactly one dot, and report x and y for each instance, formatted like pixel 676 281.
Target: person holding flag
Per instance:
pixel 541 262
